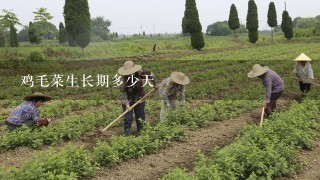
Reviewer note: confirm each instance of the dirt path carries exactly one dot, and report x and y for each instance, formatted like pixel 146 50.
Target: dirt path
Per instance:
pixel 311 171
pixel 181 154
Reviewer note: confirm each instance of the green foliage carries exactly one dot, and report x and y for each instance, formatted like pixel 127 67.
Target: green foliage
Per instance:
pixel 70 163
pixel 42 15
pixel 13 37
pixel 272 15
pixel 222 29
pixel 122 148
pixel 252 21
pixel 77 22
pixel 233 21
pixel 305 23
pixel 63 36
pixel 23 35
pixel 177 174
pixel 36 56
pixel 253 36
pixel 197 40
pixel 34 38
pixel 272 18
pixel 9 18
pixel 267 152
pixel 190 21
pixel 286 25
pixel 100 27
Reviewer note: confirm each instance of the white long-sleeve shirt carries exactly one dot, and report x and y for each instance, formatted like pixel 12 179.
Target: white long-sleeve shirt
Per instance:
pixel 304 72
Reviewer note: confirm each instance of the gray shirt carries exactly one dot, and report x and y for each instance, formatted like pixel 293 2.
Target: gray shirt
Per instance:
pixel 273 84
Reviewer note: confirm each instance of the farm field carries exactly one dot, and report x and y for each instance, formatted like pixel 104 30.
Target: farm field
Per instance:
pixel 223 110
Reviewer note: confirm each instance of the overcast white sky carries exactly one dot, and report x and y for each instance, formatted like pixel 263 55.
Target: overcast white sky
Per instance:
pixel 160 16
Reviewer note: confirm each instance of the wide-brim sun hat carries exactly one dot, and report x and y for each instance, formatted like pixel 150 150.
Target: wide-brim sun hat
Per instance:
pixel 180 78
pixel 37 95
pixel 129 68
pixel 303 57
pixel 257 70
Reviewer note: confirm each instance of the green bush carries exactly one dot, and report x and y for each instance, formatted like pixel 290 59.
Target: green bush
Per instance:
pixel 36 56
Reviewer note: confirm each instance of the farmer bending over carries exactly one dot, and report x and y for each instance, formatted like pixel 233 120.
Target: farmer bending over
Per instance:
pixel 28 113
pixel 273 84
pixel 132 90
pixel 170 89
pixel 304 72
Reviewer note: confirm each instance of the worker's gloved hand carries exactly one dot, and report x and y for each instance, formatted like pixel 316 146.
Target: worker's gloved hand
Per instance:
pixel 43 122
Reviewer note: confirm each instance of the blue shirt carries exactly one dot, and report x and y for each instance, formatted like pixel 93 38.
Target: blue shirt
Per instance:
pixel 24 112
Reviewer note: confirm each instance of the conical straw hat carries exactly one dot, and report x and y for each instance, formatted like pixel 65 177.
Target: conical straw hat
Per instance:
pixel 303 57
pixel 37 95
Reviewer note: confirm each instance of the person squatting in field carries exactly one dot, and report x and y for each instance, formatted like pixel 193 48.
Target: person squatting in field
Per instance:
pixel 28 113
pixel 132 90
pixel 304 72
pixel 274 86
pixel 170 89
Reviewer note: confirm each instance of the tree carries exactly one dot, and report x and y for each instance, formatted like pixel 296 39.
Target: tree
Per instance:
pixel 272 18
pixel 252 22
pixel 33 37
pixel 222 29
pixel 62 34
pixel 306 23
pixel 197 40
pixel 190 21
pixel 318 18
pixel 13 36
pixel 45 29
pixel 23 35
pixel 41 15
pixel 191 24
pixel 100 27
pixel 7 21
pixel 233 22
pixel 295 21
pixel 77 22
pixel 286 25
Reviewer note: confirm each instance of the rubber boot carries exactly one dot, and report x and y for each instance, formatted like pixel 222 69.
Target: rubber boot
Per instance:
pixel 140 128
pixel 127 132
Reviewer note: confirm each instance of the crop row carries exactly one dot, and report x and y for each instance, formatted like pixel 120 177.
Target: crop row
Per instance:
pixel 262 153
pixel 56 165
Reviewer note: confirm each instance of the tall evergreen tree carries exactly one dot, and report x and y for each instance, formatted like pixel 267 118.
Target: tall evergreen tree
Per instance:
pixel 77 22
pixel 62 34
pixel 33 37
pixel 190 21
pixel 252 22
pixel 13 36
pixel 191 24
pixel 272 18
pixel 234 22
pixel 286 25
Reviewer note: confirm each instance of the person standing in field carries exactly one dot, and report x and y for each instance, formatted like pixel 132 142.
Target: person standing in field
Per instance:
pixel 304 72
pixel 132 90
pixel 274 86
pixel 28 113
pixel 170 90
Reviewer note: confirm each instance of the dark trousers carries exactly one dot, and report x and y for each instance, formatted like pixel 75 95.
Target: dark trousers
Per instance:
pixel 12 127
pixel 304 87
pixel 138 113
pixel 273 103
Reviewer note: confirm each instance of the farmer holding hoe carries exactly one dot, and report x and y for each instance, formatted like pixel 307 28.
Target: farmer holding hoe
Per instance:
pixel 273 84
pixel 28 113
pixel 132 90
pixel 304 73
pixel 170 90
